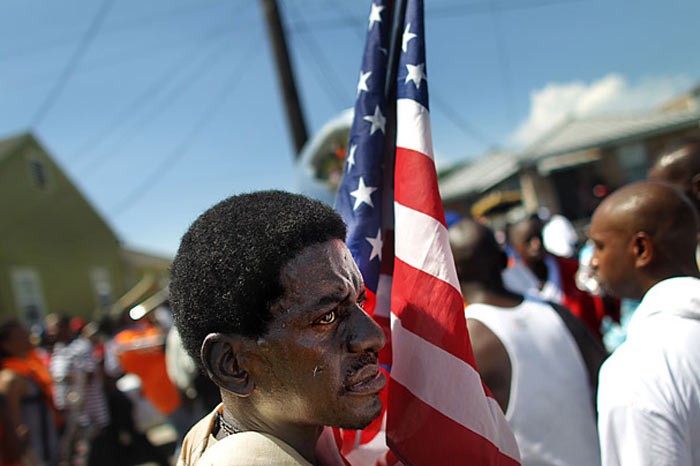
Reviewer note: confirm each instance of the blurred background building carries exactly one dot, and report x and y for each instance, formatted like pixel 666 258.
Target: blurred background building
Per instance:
pixel 57 254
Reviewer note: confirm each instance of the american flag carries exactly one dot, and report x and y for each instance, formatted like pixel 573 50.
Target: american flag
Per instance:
pixel 438 410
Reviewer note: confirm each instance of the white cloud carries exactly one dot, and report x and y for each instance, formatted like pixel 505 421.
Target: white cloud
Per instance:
pixel 555 102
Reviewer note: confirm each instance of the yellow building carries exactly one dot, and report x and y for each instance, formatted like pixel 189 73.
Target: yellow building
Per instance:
pixel 57 254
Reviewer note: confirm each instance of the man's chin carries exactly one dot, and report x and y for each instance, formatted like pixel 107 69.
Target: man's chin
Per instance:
pixel 362 417
pixel 614 291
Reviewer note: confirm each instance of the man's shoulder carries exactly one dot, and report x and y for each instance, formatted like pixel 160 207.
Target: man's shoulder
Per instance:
pixel 252 449
pixel 196 440
pixel 11 381
pixel 524 309
pixel 648 370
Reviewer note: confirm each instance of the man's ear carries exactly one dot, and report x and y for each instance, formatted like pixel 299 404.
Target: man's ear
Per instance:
pixel 643 249
pixel 224 358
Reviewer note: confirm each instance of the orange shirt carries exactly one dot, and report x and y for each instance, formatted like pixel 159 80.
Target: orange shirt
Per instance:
pixel 141 351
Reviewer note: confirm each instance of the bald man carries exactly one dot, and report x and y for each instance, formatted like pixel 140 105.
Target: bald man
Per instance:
pixel 679 165
pixel 536 369
pixel 649 392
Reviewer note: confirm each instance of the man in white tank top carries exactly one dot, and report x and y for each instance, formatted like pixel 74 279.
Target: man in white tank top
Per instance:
pixel 540 363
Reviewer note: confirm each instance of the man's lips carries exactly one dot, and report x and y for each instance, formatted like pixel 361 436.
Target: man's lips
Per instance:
pixel 368 380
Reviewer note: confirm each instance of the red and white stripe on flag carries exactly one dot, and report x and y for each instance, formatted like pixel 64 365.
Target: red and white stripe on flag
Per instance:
pixel 439 411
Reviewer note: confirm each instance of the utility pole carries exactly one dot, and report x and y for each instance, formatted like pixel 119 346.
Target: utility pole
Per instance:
pixel 295 115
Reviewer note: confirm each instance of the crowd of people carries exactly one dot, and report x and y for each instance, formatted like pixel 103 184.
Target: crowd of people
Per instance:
pixel 537 336
pixel 78 393
pixel 266 297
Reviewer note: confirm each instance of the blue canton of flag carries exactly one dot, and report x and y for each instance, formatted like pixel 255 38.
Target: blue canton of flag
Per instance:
pixel 360 195
pixel 412 81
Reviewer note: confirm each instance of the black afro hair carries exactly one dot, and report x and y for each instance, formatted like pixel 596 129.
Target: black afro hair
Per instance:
pixel 226 273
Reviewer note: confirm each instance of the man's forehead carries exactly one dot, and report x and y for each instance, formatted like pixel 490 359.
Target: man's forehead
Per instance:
pixel 609 222
pixel 320 267
pixel 306 294
pixel 526 229
pixel 331 252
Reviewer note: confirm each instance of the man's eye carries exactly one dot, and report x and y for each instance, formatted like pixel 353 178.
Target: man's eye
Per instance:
pixel 327 318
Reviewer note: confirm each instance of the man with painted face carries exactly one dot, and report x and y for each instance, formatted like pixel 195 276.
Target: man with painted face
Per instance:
pixel 267 297
pixel 648 405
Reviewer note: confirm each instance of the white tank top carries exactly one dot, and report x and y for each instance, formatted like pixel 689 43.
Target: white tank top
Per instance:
pixel 550 406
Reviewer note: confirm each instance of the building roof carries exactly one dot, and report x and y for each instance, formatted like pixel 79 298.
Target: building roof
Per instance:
pixel 479 176
pixel 8 145
pixel 12 145
pixel 571 136
pixel 146 259
pixel 585 133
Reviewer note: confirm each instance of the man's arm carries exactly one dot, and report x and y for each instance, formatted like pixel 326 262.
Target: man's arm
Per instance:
pixel 492 361
pixel 14 388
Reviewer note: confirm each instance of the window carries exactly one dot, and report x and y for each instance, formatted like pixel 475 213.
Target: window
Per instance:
pixel 101 284
pixel 28 296
pixel 39 173
pixel 633 161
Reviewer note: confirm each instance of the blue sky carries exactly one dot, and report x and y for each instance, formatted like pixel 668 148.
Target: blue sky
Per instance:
pixel 174 104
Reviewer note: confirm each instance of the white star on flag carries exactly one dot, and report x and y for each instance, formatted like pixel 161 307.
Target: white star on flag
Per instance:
pixel 378 120
pixel 362 84
pixel 407 36
pixel 416 73
pixel 375 15
pixel 363 194
pixel 376 243
pixel 351 156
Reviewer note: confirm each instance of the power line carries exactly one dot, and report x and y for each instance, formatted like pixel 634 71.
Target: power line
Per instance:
pixel 176 155
pixel 460 9
pixel 503 62
pixel 195 73
pixel 72 63
pixel 488 6
pixel 458 120
pixel 330 81
pixel 122 56
pixel 121 27
pixel 443 106
pixel 144 97
pixel 345 16
pixel 197 6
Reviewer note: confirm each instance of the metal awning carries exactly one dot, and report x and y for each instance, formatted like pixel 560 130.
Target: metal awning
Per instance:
pixel 496 202
pixel 568 160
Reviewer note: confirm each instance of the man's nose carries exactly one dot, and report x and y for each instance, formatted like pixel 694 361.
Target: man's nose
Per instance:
pixel 364 333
